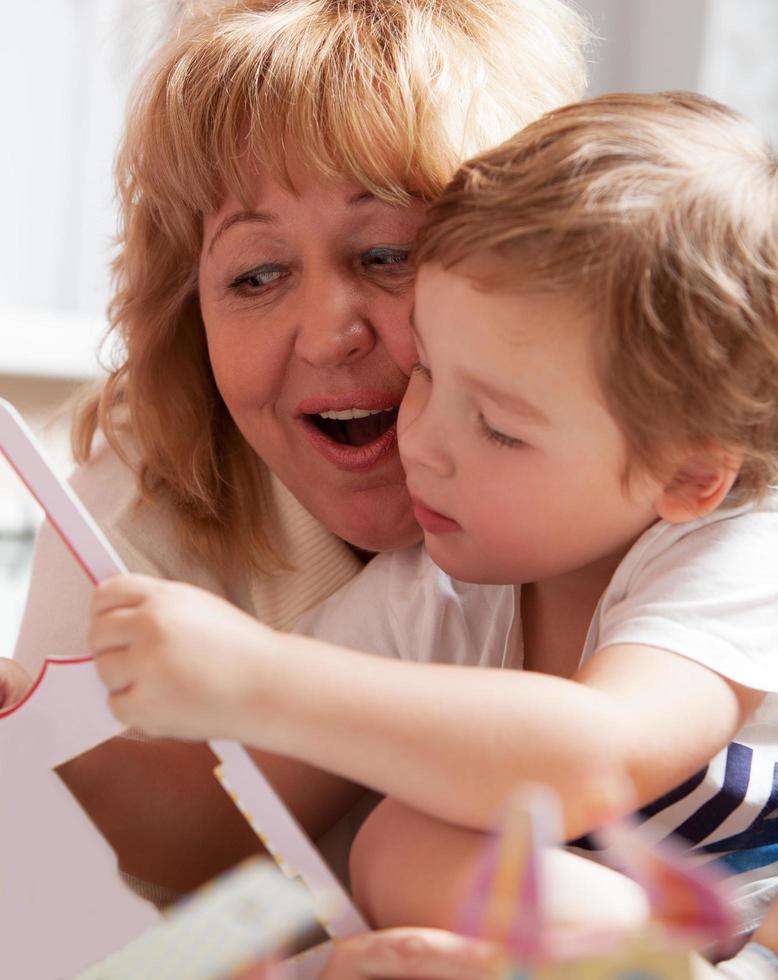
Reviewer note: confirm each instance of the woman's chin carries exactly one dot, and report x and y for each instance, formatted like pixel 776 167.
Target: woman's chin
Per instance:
pixel 372 540
pixel 382 521
pixel 370 510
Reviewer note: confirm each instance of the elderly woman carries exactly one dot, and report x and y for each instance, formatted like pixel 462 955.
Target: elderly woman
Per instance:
pixel 276 164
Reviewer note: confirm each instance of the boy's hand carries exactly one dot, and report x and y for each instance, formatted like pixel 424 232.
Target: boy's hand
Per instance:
pixel 177 660
pixel 15 682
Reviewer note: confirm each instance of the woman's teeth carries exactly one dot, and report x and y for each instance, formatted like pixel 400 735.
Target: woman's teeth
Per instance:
pixel 355 426
pixel 353 413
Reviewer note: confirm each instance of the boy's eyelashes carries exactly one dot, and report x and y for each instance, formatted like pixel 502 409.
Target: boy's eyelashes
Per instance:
pixel 421 369
pixel 493 435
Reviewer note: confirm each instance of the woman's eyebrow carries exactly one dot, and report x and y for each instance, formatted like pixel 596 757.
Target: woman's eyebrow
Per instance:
pixel 257 217
pixel 270 217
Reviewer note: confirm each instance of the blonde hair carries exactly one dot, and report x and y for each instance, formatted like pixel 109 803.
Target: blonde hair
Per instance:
pixel 393 94
pixel 662 212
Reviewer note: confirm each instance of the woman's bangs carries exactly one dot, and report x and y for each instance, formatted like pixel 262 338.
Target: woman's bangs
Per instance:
pixel 360 142
pixel 328 110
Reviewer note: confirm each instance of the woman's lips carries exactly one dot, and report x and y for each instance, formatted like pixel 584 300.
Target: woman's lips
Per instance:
pixel 338 401
pixel 347 457
pixel 431 521
pixel 354 458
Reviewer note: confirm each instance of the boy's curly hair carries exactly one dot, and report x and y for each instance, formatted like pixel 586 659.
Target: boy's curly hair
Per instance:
pixel 662 212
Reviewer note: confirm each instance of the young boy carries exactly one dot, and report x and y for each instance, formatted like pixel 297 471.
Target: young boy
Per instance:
pixel 591 435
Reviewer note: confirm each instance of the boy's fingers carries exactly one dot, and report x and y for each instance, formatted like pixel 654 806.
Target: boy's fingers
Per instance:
pixel 113 668
pixel 121 590
pixel 111 630
pixel 119 704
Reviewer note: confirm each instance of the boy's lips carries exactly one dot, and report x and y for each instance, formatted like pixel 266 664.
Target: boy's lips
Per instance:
pixel 354 431
pixel 431 521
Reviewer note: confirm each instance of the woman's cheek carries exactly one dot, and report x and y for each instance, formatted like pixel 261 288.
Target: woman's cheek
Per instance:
pixel 391 318
pixel 249 366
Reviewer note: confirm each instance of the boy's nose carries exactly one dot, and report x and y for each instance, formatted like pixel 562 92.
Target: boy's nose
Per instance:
pixel 423 438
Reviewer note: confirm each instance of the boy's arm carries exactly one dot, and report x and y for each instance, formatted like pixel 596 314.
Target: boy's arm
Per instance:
pixel 454 742
pixel 445 740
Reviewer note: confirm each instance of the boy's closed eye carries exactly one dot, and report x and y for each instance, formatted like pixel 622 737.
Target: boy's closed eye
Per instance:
pixel 494 435
pixel 421 370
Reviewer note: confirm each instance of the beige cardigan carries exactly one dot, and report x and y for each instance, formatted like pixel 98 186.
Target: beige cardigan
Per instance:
pixel 55 618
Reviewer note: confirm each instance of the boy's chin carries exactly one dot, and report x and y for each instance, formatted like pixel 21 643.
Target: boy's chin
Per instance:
pixel 464 567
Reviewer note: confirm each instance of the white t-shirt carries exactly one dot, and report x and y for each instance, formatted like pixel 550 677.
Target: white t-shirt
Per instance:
pixel 707 590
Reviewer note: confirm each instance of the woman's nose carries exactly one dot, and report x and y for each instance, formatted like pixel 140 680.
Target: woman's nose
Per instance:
pixel 333 327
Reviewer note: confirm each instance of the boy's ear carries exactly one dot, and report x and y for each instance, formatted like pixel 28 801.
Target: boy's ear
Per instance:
pixel 699 484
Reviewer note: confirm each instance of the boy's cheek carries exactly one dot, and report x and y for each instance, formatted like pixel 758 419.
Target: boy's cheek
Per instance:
pixel 404 414
pixel 410 408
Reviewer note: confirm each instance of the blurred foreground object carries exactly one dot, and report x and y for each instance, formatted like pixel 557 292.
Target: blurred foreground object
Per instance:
pixel 248 914
pixel 689 906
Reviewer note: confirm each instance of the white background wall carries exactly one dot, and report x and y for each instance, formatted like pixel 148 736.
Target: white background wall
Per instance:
pixel 645 45
pixel 65 69
pixel 724 48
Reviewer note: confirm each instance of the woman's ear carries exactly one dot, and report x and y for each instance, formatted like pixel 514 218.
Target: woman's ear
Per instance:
pixel 699 484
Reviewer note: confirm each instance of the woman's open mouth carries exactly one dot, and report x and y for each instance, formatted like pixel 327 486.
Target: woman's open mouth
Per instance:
pixel 353 438
pixel 355 426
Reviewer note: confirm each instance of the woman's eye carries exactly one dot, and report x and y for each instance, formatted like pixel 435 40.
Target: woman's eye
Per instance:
pixel 258 279
pixel 388 259
pixel 499 437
